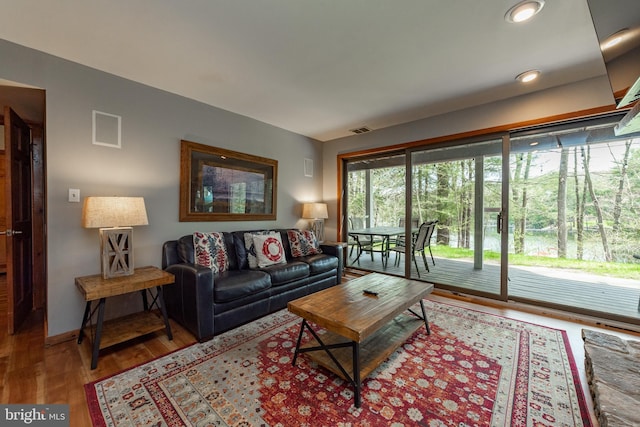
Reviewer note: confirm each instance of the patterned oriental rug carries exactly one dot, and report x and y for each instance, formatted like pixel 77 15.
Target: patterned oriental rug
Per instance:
pixel 475 369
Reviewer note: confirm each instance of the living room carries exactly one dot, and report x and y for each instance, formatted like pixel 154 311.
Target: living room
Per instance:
pixel 147 163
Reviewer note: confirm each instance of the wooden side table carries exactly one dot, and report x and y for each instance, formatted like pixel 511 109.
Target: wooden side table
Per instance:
pixel 95 288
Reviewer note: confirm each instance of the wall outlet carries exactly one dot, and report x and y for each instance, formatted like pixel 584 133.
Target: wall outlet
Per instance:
pixel 74 195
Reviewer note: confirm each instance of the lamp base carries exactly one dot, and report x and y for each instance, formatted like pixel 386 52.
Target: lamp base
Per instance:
pixel 317 226
pixel 116 249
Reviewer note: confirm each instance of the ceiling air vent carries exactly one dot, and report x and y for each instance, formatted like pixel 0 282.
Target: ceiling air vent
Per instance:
pixel 363 129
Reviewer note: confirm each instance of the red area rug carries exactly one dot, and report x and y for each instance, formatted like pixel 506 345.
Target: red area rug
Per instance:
pixel 475 369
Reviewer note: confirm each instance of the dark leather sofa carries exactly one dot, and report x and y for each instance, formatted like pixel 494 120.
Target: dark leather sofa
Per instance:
pixel 208 303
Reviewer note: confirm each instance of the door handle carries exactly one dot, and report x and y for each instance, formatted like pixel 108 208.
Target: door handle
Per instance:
pixel 10 232
pixel 499 223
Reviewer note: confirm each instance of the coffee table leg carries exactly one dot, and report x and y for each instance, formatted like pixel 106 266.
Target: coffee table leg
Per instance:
pixel 355 346
pixel 295 355
pixel 356 373
pixel 424 316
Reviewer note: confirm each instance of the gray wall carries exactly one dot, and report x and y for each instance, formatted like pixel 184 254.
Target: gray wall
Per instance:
pixel 148 164
pixel 579 96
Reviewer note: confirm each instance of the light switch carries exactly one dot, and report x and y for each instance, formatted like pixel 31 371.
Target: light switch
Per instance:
pixel 74 195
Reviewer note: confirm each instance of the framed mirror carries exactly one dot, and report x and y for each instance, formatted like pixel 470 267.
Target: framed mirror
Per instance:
pixel 223 185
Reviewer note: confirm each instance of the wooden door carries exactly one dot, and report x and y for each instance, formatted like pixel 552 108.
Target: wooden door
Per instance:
pixel 3 226
pixel 17 137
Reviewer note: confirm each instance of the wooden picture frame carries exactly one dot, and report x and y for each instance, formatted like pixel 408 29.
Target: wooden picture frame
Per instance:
pixel 217 184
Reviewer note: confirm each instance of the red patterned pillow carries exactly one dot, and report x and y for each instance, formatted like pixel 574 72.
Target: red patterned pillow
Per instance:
pixel 303 243
pixel 269 249
pixel 210 251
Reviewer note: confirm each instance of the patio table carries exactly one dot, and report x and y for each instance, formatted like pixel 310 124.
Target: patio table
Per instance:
pixel 386 233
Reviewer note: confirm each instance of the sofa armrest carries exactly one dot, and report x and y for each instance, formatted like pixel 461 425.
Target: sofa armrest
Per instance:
pixel 190 299
pixel 337 250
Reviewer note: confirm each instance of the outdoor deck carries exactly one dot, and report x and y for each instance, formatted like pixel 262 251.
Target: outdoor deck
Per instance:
pixel 555 287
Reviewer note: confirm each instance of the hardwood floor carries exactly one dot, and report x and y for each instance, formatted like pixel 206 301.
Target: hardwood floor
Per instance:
pixel 30 372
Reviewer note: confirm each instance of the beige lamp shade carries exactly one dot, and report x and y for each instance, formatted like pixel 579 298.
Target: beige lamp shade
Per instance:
pixel 101 212
pixel 315 211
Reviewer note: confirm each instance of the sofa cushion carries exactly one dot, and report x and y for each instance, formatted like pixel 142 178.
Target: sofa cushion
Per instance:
pixel 320 263
pixel 285 273
pixel 235 284
pixel 269 249
pixel 303 243
pixel 210 251
pixel 250 247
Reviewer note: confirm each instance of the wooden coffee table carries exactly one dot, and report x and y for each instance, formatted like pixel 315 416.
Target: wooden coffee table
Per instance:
pixel 360 331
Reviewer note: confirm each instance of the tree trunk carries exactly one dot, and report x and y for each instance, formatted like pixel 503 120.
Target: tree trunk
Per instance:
pixel 469 205
pixel 617 207
pixel 516 214
pixel 523 205
pixel 562 203
pixel 580 201
pixel 596 205
pixel 442 237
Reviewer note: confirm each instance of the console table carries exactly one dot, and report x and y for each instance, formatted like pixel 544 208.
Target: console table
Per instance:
pixel 95 288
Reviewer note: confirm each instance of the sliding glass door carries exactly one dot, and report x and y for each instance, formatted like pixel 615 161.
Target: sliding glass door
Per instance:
pixel 375 208
pixel 573 226
pixel 460 189
pixel 547 216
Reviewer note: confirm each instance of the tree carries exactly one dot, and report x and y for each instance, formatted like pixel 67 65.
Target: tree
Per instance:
pixel 466 179
pixel 596 203
pixel 562 203
pixel 617 207
pixel 580 204
pixel 519 200
pixel 444 218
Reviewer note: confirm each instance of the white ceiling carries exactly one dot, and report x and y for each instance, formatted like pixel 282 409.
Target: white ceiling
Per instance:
pixel 317 67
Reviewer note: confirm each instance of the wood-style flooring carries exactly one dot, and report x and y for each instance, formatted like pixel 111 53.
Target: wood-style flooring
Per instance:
pixel 31 372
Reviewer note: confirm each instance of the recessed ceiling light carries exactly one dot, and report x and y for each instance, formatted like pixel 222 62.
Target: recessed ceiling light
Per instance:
pixel 528 76
pixel 524 11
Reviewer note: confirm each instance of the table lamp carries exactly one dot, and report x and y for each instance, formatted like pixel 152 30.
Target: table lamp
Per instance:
pixel 115 216
pixel 317 212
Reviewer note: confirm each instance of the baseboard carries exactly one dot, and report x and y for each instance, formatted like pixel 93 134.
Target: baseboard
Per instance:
pixel 62 338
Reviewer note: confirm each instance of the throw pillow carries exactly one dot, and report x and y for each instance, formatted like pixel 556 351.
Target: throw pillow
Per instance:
pixel 269 250
pixel 303 243
pixel 210 251
pixel 251 248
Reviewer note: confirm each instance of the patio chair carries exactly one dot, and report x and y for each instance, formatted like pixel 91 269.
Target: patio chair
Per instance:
pixel 419 245
pixel 363 242
pixel 400 240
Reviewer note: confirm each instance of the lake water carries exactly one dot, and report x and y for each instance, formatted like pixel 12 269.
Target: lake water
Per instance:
pixel 545 244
